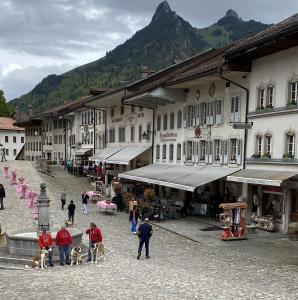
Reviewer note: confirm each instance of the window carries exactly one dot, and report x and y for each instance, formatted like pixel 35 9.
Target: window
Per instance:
pixel 270 90
pixel 121 132
pixel 55 139
pixel 189 151
pixel 218 111
pixel 112 112
pixel 202 150
pixel 132 109
pixel 122 110
pixel 205 113
pixel 179 120
pixel 158 123
pixel 217 150
pixel 132 133
pixel 165 122
pixel 140 133
pixel 39 146
pixel 164 152
pixel 14 139
pixel 190 122
pixel 6 152
pixel 261 97
pixel 157 152
pixel 112 135
pixel 259 140
pixel 91 137
pixel 290 145
pixel 171 152
pixel 178 152
pixel 172 121
pixel 267 151
pixel 6 139
pixel 293 92
pixel 233 147
pixel 235 109
pixel 148 132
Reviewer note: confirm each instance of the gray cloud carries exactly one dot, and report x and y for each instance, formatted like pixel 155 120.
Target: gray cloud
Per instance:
pixel 20 81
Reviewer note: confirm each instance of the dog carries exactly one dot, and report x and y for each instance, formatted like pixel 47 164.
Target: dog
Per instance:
pixel 40 260
pixel 97 250
pixel 75 256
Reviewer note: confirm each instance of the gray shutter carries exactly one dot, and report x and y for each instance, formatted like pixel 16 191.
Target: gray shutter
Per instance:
pixel 239 152
pixel 197 114
pixel 184 117
pixel 221 159
pixel 206 152
pixel 193 114
pixel 210 152
pixel 184 152
pixel 193 152
pixel 211 113
pixel 225 152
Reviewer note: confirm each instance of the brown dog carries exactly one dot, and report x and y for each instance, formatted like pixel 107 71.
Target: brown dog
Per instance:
pixel 97 249
pixel 39 260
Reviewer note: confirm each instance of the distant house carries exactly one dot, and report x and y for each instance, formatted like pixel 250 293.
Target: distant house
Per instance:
pixel 12 137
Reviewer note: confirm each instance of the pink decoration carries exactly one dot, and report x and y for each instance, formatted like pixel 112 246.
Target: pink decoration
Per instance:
pixel 21 181
pixel 24 188
pixel 13 178
pixel 32 201
pixel 106 206
pixel 5 172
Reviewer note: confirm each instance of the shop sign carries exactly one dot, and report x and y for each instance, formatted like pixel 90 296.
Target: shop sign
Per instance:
pixel 168 137
pixel 117 120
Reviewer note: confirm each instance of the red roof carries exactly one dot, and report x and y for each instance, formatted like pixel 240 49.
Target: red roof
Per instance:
pixel 8 124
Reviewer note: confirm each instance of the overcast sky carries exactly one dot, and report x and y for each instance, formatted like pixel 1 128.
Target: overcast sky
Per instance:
pixel 41 37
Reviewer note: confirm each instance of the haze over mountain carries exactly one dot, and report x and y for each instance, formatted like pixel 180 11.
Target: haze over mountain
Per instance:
pixel 167 38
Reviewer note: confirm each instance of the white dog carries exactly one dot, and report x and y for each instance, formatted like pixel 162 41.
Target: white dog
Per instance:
pixel 75 256
pixel 40 260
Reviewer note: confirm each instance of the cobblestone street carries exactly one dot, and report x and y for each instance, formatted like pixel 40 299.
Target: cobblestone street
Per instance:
pixel 179 268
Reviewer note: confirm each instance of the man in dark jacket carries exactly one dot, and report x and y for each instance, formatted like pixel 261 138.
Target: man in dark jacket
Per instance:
pixel 144 234
pixel 71 212
pixel 2 195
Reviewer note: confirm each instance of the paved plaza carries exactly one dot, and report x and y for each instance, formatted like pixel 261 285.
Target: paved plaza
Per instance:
pixel 179 268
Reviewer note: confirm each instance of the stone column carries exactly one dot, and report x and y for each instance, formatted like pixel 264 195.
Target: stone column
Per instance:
pixel 43 209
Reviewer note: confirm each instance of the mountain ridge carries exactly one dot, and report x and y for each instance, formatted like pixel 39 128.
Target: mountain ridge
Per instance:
pixel 167 38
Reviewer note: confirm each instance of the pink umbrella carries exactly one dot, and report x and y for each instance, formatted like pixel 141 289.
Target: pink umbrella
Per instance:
pixel 32 201
pixel 24 188
pixel 13 178
pixel 5 172
pixel 21 181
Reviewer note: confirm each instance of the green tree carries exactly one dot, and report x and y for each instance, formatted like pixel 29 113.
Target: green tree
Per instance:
pixel 5 109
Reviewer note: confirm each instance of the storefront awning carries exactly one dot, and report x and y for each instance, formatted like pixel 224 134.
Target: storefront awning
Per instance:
pixel 125 155
pixel 104 154
pixel 274 178
pixel 180 177
pixel 82 151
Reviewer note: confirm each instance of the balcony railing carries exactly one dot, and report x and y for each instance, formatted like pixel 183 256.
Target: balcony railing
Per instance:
pixel 271 110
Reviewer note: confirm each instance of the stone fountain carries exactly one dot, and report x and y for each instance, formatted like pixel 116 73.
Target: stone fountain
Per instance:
pixel 24 242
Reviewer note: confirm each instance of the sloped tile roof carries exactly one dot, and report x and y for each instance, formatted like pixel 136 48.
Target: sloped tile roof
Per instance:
pixel 8 124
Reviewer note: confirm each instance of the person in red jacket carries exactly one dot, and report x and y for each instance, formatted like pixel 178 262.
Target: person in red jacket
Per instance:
pixel 95 237
pixel 64 241
pixel 45 242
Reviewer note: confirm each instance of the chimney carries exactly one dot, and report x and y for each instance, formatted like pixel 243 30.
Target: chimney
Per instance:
pixel 30 109
pixel 145 72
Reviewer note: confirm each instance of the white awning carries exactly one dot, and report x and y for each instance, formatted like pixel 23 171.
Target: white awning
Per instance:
pixel 82 151
pixel 103 154
pixel 274 178
pixel 180 177
pixel 125 155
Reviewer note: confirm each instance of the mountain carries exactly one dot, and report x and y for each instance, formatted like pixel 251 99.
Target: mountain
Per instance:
pixel 166 39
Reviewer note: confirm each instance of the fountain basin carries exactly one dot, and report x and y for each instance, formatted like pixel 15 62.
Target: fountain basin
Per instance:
pixel 24 243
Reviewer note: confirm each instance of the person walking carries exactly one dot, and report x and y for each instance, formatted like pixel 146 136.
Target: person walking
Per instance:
pixel 63 199
pixel 85 199
pixel 144 234
pixel 2 195
pixel 45 243
pixel 95 237
pixel 64 242
pixel 71 212
pixel 134 215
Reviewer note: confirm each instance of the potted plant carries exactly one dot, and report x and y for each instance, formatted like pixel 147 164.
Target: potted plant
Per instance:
pixel 256 156
pixel 266 155
pixel 287 156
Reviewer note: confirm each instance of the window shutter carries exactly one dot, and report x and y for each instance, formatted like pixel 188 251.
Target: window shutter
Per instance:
pixel 201 113
pixel 237 113
pixel 184 117
pixel 221 160
pixel 210 152
pixel 239 151
pixel 193 151
pixel 206 152
pixel 232 112
pixel 218 108
pixel 193 116
pixel 184 152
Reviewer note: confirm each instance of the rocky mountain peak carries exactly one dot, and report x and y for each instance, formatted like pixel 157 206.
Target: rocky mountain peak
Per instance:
pixel 232 13
pixel 162 9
